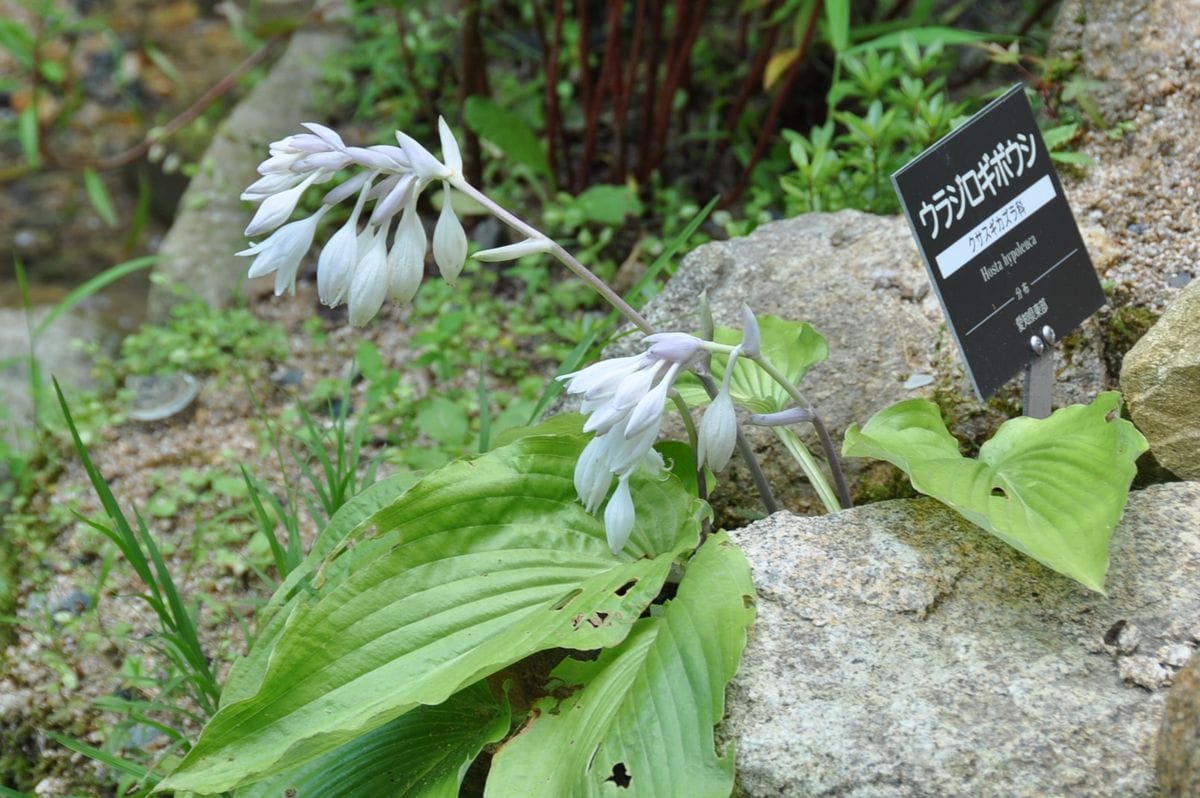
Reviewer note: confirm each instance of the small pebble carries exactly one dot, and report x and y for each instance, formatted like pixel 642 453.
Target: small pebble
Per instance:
pixel 918 381
pixel 1179 279
pixel 1144 672
pixel 74 603
pixel 1175 655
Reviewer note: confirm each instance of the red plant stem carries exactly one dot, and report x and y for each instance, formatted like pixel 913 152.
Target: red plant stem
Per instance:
pixel 645 164
pixel 752 80
pixel 473 82
pixel 768 129
pixel 194 110
pixel 609 78
pixel 625 92
pixel 585 71
pixel 691 15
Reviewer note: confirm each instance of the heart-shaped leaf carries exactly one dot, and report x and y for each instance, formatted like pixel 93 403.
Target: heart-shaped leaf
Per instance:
pixel 482 563
pixel 1053 488
pixel 642 716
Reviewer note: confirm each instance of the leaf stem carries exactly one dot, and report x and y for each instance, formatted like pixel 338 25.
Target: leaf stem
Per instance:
pixel 556 249
pixel 831 455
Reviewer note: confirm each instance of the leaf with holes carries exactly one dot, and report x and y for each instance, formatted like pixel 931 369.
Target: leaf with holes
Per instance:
pixel 1053 488
pixel 423 753
pixel 480 564
pixel 643 713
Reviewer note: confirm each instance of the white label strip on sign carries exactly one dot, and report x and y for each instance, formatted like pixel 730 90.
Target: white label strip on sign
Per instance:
pixel 962 251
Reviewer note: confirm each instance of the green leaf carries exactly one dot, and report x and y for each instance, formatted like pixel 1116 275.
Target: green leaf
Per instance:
pixel 646 709
pixel 924 37
pixel 608 204
pixel 837 18
pixel 480 564
pixel 1075 158
pixel 443 420
pixel 28 134
pixel 509 132
pixel 424 753
pixel 1052 488
pixel 794 348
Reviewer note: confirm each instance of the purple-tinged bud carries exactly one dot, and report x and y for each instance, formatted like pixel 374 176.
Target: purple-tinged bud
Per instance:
pixel 676 347
pixel 783 418
pixel 751 336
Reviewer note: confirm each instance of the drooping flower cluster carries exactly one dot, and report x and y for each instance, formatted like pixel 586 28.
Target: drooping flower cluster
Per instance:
pixel 358 267
pixel 624 399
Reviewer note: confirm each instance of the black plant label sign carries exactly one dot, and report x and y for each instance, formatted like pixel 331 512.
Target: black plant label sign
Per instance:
pixel 999 240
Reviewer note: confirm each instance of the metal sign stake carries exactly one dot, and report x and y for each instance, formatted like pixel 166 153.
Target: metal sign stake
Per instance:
pixel 1039 375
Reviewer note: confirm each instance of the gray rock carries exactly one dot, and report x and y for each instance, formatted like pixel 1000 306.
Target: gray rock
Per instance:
pixel 1178 760
pixel 901 651
pixel 1160 378
pixel 57 356
pixel 1138 61
pixel 198 252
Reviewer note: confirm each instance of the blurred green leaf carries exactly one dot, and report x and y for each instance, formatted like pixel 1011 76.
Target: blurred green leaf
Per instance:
pixel 509 132
pixel 99 197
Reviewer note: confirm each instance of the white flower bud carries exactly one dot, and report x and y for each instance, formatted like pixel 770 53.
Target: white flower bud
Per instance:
pixel 718 428
pixel 718 432
pixel 369 283
pixel 406 260
pixel 751 336
pixel 449 240
pixel 335 266
pixel 676 347
pixel 619 517
pixel 529 246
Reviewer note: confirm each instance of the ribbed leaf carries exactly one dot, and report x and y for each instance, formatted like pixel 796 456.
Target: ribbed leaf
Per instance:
pixel 1053 488
pixel 477 566
pixel 422 753
pixel 642 722
pixel 794 348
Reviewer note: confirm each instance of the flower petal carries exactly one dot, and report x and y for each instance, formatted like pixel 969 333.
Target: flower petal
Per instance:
pixel 423 163
pixel 276 209
pixel 450 152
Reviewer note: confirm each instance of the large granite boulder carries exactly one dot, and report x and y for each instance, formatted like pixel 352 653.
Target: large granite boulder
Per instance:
pixel 1161 382
pixel 901 651
pixel 1178 761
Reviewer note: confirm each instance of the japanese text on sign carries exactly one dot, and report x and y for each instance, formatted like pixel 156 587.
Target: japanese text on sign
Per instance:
pixel 994 170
